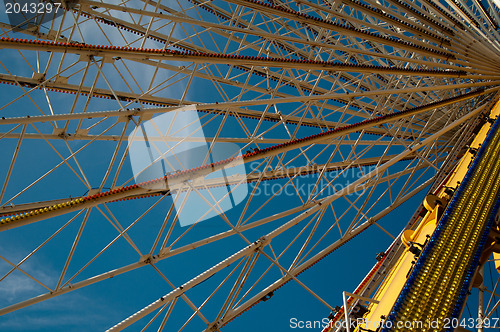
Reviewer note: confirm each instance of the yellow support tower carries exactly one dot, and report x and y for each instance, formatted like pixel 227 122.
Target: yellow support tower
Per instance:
pixel 435 291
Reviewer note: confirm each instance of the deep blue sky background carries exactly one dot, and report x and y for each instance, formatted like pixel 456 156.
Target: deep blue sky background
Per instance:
pixel 99 306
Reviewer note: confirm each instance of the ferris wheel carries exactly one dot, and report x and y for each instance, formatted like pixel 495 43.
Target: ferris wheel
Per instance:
pixel 174 165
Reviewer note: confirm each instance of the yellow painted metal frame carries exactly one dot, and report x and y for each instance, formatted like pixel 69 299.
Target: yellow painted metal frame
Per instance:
pixel 396 278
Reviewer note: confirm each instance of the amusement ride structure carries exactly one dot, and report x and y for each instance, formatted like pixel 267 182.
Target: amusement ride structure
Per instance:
pixel 332 120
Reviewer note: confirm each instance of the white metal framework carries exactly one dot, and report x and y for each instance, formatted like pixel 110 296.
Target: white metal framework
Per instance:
pixel 342 110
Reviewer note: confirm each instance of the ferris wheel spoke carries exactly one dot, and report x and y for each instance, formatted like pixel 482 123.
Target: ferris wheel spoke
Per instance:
pixel 305 19
pixel 385 29
pixel 230 105
pixel 248 158
pixel 259 33
pixel 91 51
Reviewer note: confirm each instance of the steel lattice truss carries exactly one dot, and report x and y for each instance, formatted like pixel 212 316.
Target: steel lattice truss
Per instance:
pixel 367 103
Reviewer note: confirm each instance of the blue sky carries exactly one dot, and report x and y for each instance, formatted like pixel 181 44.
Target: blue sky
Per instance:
pixel 103 304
